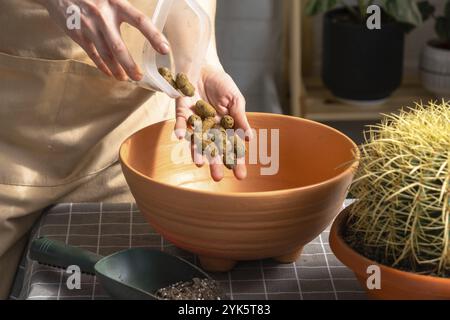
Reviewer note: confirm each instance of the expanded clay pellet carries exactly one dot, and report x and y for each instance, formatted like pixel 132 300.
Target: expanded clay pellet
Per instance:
pixel 168 76
pixel 184 85
pixel 194 121
pixel 227 122
pixel 239 146
pixel 208 124
pixel 204 109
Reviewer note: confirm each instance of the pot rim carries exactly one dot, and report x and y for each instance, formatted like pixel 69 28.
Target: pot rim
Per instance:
pixel 349 170
pixel 429 44
pixel 353 259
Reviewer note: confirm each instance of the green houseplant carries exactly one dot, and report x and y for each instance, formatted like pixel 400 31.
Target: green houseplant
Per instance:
pixel 435 59
pixel 401 218
pixel 362 65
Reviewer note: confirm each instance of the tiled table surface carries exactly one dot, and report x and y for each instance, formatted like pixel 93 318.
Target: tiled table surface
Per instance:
pixel 107 228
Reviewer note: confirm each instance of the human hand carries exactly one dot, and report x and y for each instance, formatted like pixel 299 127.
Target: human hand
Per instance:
pixel 219 89
pixel 99 33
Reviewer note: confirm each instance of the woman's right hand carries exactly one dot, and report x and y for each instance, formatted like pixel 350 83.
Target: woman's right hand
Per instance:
pixel 99 33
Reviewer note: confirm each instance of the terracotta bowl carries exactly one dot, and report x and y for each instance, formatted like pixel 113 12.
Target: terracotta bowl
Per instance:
pixel 261 217
pixel 394 284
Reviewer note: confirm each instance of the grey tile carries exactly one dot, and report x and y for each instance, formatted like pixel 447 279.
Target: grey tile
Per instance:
pixel 279 273
pixel 85 207
pixel 347 285
pixel 319 296
pixel 83 218
pixel 116 217
pixel 248 286
pixel 342 272
pixel 274 286
pixel 117 207
pixel 53 230
pixel 113 229
pixel 84 230
pixel 312 248
pixel 313 273
pixel 56 219
pixel 284 296
pixel 138 218
pixel 333 261
pixel 246 274
pixel 327 248
pixel 83 241
pixel 311 261
pixel 144 240
pixel 142 229
pixel 316 285
pixel 107 240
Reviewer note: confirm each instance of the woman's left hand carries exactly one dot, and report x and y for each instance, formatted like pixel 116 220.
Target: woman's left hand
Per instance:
pixel 218 88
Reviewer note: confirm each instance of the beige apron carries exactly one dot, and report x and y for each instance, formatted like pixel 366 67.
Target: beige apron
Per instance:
pixel 61 124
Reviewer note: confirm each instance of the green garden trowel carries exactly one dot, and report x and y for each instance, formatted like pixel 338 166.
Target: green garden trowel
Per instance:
pixel 133 274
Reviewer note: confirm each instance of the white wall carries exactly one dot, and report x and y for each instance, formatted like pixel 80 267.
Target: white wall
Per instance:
pixel 248 34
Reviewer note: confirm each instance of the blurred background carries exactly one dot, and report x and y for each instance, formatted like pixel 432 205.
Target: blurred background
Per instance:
pixel 273 50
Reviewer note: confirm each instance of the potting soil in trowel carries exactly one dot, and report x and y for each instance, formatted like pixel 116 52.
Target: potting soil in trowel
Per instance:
pixel 197 289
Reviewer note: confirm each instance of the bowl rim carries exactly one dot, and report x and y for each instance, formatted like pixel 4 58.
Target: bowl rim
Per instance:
pixel 352 259
pixel 347 171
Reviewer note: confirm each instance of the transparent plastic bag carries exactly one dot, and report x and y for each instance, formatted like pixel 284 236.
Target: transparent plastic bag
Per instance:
pixel 187 27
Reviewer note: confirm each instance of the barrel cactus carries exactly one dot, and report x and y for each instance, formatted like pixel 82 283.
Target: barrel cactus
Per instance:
pixel 402 215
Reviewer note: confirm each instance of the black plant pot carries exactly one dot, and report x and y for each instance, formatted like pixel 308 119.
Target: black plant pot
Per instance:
pixel 361 64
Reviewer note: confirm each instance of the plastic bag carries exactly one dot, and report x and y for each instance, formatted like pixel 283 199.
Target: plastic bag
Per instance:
pixel 187 27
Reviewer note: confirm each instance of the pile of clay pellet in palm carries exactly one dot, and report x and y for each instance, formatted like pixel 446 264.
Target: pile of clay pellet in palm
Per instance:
pixel 216 137
pixel 213 137
pixel 197 289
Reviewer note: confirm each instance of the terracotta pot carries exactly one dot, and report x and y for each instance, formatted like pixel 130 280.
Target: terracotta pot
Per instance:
pixel 263 216
pixel 395 284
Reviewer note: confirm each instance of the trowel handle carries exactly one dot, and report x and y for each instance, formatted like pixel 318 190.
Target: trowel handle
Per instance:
pixel 59 254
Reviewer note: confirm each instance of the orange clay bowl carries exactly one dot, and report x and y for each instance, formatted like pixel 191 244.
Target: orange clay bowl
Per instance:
pixel 263 216
pixel 395 284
